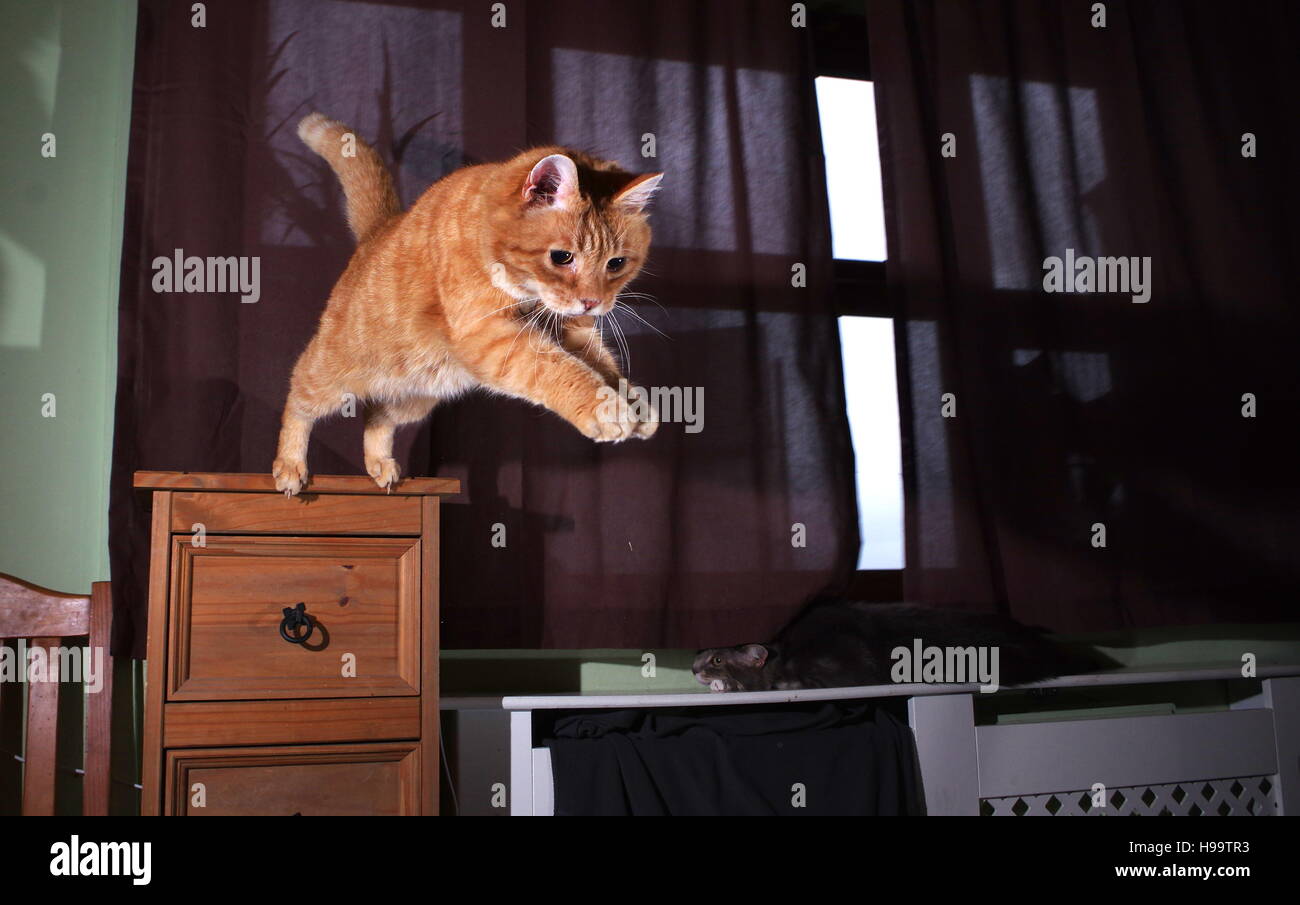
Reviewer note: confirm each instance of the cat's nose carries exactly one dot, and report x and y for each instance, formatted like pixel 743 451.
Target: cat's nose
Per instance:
pixel 588 304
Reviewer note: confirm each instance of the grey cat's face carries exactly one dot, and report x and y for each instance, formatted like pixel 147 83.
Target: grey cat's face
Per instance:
pixel 738 668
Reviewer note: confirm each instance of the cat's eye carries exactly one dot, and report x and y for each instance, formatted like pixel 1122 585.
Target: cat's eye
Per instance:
pixel 717 661
pixel 560 258
pixel 615 264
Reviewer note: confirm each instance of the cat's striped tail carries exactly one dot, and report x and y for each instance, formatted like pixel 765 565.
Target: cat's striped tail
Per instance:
pixel 366 181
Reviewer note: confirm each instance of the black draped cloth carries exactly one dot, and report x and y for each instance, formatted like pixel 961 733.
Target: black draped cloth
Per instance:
pixel 823 760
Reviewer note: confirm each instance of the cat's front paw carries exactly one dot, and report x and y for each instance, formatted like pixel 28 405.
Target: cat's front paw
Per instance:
pixel 385 472
pixel 606 427
pixel 619 417
pixel 609 431
pixel 290 475
pixel 647 422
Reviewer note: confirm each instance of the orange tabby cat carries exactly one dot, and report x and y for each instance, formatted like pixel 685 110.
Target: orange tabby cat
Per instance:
pixel 495 277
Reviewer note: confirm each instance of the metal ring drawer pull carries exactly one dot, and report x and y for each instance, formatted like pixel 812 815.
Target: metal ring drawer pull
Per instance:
pixel 295 617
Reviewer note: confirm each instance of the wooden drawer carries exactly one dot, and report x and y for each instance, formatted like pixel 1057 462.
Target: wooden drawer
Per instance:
pixel 250 513
pixel 227 601
pixel 264 726
pixel 203 724
pixel 311 780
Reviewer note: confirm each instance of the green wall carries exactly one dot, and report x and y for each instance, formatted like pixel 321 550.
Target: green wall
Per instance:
pixel 65 69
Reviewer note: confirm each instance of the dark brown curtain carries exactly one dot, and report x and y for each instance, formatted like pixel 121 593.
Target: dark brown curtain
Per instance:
pixel 684 540
pixel 1076 410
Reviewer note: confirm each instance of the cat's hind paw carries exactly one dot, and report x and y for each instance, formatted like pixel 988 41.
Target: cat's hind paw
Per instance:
pixel 385 472
pixel 290 476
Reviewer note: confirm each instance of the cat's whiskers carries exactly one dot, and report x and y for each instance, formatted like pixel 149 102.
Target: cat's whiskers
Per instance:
pixel 525 324
pixel 542 332
pixel 591 338
pixel 514 303
pixel 543 335
pixel 643 297
pixel 600 325
pixel 540 336
pixel 548 330
pixel 621 339
pixel 634 313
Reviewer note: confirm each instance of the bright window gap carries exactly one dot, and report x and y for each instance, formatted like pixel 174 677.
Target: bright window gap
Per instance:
pixel 847 111
pixel 871 393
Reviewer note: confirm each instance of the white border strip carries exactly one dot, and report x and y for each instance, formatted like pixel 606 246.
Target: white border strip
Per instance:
pixel 710 699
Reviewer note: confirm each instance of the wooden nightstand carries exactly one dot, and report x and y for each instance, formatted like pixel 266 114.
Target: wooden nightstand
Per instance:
pixel 293 646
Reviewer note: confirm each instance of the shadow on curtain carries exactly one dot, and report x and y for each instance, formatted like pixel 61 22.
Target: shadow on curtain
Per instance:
pixel 1162 427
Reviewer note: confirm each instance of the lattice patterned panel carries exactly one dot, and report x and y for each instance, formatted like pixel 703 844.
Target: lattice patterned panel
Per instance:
pixel 1245 796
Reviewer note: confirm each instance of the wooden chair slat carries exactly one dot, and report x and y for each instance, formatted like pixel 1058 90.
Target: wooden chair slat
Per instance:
pixel 99 707
pixel 50 620
pixel 28 611
pixel 39 751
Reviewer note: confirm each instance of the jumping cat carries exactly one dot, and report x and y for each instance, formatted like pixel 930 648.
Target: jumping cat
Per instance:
pixel 498 276
pixel 837 643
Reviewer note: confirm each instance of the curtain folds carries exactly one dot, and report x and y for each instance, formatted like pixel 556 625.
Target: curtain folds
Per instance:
pixel 684 540
pixel 1078 459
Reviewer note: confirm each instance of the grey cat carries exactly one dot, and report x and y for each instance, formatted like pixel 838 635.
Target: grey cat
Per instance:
pixel 835 643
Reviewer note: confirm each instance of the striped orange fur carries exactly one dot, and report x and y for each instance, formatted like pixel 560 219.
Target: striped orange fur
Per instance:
pixel 496 277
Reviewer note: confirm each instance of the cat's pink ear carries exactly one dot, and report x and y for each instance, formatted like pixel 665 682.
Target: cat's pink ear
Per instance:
pixel 637 194
pixel 553 182
pixel 757 653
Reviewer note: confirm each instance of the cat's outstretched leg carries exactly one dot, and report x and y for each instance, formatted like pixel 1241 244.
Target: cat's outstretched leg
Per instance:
pixel 382 421
pixel 540 370
pixel 580 338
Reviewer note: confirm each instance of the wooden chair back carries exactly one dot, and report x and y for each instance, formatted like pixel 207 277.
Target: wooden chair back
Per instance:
pixel 44 618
